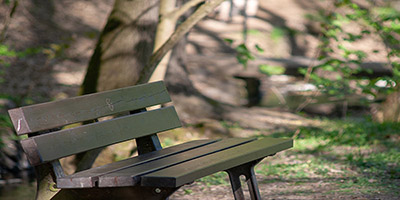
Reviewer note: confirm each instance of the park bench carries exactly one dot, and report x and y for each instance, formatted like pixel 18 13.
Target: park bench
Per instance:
pixel 62 128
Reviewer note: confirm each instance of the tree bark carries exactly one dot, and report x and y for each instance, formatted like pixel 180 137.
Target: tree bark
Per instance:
pixel 165 28
pixel 179 33
pixel 169 15
pixel 124 47
pixel 122 54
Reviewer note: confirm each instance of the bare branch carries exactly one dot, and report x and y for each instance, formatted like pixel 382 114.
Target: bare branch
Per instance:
pixel 181 10
pixel 199 14
pixel 165 28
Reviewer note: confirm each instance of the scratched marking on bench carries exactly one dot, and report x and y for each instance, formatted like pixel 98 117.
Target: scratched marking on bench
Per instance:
pixel 148 96
pixel 100 110
pixel 110 105
pixel 19 124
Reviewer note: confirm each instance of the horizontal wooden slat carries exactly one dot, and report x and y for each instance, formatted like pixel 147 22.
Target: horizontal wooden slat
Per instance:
pixel 66 142
pixel 87 178
pixel 58 113
pixel 131 176
pixel 187 172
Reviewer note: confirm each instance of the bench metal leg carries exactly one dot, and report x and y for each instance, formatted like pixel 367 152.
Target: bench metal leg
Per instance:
pixel 248 171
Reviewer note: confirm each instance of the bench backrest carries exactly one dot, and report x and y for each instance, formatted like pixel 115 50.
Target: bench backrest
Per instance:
pixel 53 144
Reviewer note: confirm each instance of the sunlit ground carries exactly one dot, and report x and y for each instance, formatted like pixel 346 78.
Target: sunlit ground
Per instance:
pixel 339 159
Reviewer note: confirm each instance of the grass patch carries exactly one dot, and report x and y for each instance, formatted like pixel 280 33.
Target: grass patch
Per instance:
pixel 354 157
pixel 219 178
pixel 360 155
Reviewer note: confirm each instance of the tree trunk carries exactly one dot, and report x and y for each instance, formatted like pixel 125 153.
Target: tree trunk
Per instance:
pixel 124 46
pixel 390 108
pixel 123 54
pixel 123 49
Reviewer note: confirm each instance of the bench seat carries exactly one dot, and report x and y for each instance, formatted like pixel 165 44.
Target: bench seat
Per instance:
pixel 176 165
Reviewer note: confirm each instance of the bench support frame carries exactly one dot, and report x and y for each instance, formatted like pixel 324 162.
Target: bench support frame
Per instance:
pixel 46 180
pixel 246 170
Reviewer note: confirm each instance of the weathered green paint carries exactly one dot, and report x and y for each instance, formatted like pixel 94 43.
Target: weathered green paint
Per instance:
pixel 86 179
pixel 132 175
pixel 82 108
pixel 191 170
pixel 66 142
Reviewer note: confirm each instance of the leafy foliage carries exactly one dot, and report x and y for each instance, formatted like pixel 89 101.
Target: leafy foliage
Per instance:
pixel 337 57
pixel 244 55
pixel 277 34
pixel 358 154
pixel 271 69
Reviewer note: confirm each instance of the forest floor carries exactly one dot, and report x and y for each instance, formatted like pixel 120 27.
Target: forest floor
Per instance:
pixel 331 159
pixel 340 159
pixel 352 159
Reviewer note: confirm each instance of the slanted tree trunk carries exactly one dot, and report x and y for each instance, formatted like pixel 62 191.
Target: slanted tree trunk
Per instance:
pixel 121 57
pixel 124 47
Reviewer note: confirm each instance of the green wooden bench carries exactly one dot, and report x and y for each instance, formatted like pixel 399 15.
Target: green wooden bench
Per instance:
pixel 156 173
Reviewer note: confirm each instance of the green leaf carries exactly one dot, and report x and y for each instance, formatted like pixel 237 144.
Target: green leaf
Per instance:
pixel 369 71
pixel 4 51
pixel 253 32
pixel 329 68
pixel 360 54
pixel 395 26
pixel 259 49
pixel 270 69
pixel 387 13
pixel 351 37
pixel 242 49
pixel 230 41
pixel 366 32
pixel 341 47
pixel 332 91
pixel 303 71
pixel 277 33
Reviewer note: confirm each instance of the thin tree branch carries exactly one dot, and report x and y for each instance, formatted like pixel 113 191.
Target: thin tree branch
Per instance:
pixel 177 12
pixel 166 25
pixel 165 28
pixel 199 14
